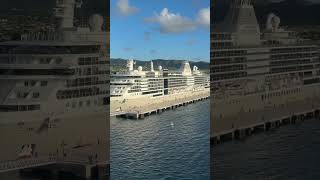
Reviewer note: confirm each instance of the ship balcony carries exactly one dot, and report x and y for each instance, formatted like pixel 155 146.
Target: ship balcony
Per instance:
pixel 40 72
pixel 121 84
pixel 36 73
pixel 37 66
pixel 47 77
pixel 52 48
pixel 299 51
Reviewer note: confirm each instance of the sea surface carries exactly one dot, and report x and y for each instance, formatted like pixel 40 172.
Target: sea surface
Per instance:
pixel 171 145
pixel 290 152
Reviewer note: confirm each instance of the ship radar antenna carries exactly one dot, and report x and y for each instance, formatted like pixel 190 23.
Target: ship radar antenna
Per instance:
pixel 79 3
pixel 151 66
pixel 130 64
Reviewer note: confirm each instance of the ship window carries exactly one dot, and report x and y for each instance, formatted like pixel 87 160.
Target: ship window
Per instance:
pixel 68 104
pixel 80 103
pixel 26 83
pixel 88 102
pixel 25 95
pixel 33 107
pixel 36 95
pixel 106 101
pixel 42 61
pixel 33 83
pixel 58 61
pixel 37 72
pixel 44 83
pixel 73 104
pixel 8 108
pixel 22 108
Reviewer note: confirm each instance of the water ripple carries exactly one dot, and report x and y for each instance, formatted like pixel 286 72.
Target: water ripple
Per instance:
pixel 291 152
pixel 172 145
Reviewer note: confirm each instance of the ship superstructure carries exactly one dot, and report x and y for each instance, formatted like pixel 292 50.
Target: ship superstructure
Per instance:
pixel 138 83
pixel 54 93
pixel 259 74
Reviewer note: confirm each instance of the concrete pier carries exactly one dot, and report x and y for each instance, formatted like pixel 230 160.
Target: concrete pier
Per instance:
pixel 244 132
pixel 158 108
pixel 146 104
pixel 64 170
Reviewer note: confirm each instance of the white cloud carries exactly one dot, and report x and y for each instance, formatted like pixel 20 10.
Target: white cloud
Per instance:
pixel 175 23
pixel 203 17
pixel 171 23
pixel 125 9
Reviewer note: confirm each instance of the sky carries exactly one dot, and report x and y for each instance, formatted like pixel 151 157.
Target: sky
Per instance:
pixel 160 29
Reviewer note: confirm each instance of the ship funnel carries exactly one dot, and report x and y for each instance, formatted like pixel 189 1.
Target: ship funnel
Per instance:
pixel 130 64
pixel 241 20
pixel 151 66
pixel 64 11
pixel 185 68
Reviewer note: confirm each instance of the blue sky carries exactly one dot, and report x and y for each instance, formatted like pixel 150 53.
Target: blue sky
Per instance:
pixel 166 29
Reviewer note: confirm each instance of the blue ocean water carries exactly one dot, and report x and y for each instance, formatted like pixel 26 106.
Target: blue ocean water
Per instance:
pixel 171 145
pixel 289 152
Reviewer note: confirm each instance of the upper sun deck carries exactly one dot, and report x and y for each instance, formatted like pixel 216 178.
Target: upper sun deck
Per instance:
pixel 282 39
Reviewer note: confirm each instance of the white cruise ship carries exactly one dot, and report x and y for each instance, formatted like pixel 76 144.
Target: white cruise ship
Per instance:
pixel 54 94
pixel 259 73
pixel 132 84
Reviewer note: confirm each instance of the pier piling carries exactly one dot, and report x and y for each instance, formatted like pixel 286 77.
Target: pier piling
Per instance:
pixel 239 134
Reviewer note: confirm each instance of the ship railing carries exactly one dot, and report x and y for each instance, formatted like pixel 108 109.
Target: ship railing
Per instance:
pixel 42 36
pixel 75 160
pixel 79 158
pixel 25 163
pixel 41 161
pixel 299 43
